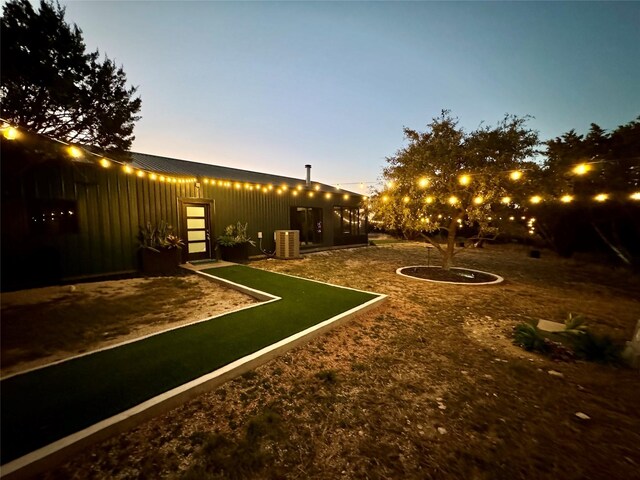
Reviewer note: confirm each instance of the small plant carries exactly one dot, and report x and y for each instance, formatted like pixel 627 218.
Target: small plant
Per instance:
pixel 529 337
pixel 235 235
pixel 575 325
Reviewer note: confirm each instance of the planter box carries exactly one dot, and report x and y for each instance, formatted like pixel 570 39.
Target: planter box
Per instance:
pixel 236 254
pixel 164 262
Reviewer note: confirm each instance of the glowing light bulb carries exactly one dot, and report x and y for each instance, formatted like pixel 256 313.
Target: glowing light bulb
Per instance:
pixel 390 184
pixel 601 197
pixel 566 198
pixel 535 199
pixel 406 199
pixel 464 180
pixel 385 198
pixel 428 199
pixel 506 200
pixel 127 169
pixel 104 163
pixel 153 176
pixel 478 200
pixel 316 188
pixel 328 195
pixel 423 182
pixel 10 133
pixel 581 169
pixel 635 196
pixel 453 200
pixel 515 175
pixel 345 196
pixel 74 151
pixel 140 173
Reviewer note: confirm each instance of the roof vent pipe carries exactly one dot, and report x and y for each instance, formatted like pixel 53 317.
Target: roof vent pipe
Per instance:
pixel 308 167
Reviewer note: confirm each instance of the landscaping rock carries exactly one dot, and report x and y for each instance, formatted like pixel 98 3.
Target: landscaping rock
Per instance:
pixel 548 326
pixel 631 352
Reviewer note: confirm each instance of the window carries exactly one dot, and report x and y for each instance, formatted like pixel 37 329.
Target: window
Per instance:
pixel 309 221
pixel 348 221
pixel 53 217
pixel 349 225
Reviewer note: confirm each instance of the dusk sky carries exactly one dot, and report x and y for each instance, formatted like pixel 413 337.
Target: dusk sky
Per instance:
pixel 273 86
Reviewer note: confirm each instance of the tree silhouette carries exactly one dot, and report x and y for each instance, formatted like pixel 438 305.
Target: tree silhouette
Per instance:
pixel 52 86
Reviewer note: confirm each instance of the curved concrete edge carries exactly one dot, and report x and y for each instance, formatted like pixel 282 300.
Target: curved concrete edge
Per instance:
pixel 498 279
pixel 55 453
pixel 252 292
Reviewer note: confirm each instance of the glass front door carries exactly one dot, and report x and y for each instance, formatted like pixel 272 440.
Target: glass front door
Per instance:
pixel 197 228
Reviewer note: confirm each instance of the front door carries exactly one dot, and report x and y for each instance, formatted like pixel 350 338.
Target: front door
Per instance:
pixel 196 226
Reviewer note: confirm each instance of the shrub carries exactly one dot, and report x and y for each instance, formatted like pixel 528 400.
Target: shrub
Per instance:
pixel 529 337
pixel 596 348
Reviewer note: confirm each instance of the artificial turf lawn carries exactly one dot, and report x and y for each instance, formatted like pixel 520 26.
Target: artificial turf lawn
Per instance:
pixel 46 405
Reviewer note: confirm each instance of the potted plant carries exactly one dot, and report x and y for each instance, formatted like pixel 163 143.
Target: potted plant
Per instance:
pixel 234 243
pixel 159 249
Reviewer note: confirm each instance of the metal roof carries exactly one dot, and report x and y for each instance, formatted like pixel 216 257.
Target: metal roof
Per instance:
pixel 174 166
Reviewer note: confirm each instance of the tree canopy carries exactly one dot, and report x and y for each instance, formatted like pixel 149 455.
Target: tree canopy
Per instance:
pixel 596 178
pixel 51 85
pixel 446 178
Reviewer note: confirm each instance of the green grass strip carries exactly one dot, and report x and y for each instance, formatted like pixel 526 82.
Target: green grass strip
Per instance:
pixel 45 405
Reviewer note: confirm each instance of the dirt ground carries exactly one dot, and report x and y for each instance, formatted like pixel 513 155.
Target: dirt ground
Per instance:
pixel 43 325
pixel 427 386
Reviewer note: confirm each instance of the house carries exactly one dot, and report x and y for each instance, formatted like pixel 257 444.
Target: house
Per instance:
pixel 68 213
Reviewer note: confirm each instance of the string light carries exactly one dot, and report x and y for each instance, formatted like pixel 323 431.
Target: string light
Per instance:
pixel 140 173
pixel 566 198
pixel 506 200
pixel 635 196
pixel 453 200
pixel 601 197
pixel 535 199
pixel 10 133
pixel 127 169
pixel 515 175
pixel 428 199
pixel 152 176
pixel 105 163
pixel 581 169
pixel 74 151
pixel 464 180
pixel 423 182
pixel 406 199
pixel 478 200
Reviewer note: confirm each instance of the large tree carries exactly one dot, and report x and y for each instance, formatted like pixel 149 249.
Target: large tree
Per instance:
pixel 446 178
pixel 51 85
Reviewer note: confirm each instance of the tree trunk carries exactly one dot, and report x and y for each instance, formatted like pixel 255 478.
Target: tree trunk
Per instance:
pixel 449 252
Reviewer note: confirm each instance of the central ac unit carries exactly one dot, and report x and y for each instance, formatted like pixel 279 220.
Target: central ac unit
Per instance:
pixel 287 243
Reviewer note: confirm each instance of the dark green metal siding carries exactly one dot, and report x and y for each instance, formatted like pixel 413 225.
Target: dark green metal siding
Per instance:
pixel 267 212
pixel 111 206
